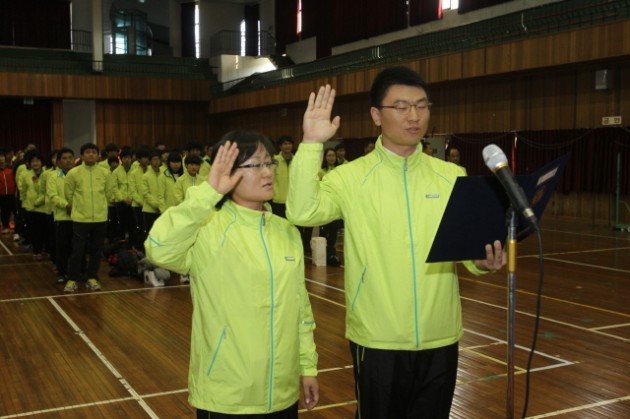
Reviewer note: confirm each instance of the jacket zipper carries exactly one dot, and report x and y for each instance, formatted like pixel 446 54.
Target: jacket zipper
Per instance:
pixel 271 312
pixel 413 255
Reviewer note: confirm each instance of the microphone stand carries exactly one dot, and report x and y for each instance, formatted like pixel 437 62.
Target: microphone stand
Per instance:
pixel 512 221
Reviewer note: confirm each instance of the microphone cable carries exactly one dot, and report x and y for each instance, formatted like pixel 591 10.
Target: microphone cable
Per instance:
pixel 541 276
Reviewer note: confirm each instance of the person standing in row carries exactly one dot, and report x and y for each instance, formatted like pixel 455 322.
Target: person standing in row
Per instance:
pixel 7 194
pixel 61 209
pixel 330 230
pixel 87 189
pixel 403 315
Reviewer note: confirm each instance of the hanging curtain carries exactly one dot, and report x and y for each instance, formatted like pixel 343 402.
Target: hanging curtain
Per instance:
pixel 36 24
pixel 592 167
pixel 470 5
pixel 470 146
pixel 286 24
pixel 385 16
pixel 21 124
pixel 355 20
pixel 188 29
pixel 423 11
pixel 252 16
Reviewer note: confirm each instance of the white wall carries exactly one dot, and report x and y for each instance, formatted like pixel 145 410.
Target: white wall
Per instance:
pixel 304 51
pixel 79 123
pixel 235 67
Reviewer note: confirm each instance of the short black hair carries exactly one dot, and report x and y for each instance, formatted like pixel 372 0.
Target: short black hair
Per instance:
pixel 142 152
pixel 394 76
pixel 340 146
pixel 194 145
pixel 194 159
pixel 285 139
pixel 174 156
pixel 248 143
pixel 65 150
pixel 111 147
pixel 126 152
pixel 33 154
pixel 88 146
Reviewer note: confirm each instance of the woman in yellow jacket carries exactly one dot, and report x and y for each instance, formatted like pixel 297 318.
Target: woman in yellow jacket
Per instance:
pixel 34 202
pixel 190 178
pixel 252 326
pixel 167 180
pixel 150 191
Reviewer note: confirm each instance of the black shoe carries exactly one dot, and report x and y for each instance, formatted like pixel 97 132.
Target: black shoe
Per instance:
pixel 333 261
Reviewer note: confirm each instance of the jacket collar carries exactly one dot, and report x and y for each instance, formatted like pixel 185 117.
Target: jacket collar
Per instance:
pixel 248 216
pixel 394 160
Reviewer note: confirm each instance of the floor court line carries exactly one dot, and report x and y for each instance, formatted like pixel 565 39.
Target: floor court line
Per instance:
pixel 573 326
pixel 92 294
pixel 581 408
pixel 587 234
pixel 105 361
pixel 10 253
pixel 611 326
pixel 546 297
pixel 589 265
pixel 577 252
pixel 561 362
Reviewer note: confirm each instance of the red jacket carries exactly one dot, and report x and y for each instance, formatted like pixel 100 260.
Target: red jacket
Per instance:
pixel 7 183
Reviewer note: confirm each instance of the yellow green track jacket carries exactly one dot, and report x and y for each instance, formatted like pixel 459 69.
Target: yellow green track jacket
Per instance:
pixel 391 207
pixel 252 326
pixel 88 189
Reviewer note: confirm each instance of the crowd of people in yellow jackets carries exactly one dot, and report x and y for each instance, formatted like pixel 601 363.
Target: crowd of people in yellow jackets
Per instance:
pixel 68 206
pixel 114 195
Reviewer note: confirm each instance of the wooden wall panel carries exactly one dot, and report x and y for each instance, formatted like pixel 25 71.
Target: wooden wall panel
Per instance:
pixel 473 63
pixel 145 123
pixel 68 86
pixel 57 125
pixel 287 120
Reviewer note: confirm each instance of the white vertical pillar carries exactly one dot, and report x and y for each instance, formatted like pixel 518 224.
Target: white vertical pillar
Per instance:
pixel 97 36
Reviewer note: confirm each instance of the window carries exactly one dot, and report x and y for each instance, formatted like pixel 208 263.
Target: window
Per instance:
pixel 244 38
pixel 450 4
pixel 197 37
pixel 299 17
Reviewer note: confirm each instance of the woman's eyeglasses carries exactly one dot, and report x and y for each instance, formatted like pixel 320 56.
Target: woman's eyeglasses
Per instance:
pixel 260 166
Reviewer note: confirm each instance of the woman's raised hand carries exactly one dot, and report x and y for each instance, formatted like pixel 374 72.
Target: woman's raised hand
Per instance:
pixel 221 177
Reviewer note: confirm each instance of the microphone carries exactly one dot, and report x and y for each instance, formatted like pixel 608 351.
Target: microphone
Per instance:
pixel 496 161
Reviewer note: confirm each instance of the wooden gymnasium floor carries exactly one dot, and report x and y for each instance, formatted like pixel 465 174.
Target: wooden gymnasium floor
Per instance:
pixel 123 352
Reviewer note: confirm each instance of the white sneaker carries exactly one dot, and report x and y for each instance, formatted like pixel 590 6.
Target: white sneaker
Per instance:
pixel 151 279
pixel 184 279
pixel 16 237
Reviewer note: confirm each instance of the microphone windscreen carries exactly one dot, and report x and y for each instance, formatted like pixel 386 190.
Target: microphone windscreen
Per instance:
pixel 494 157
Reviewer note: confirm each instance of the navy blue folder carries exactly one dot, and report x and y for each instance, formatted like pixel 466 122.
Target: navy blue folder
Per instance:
pixel 476 213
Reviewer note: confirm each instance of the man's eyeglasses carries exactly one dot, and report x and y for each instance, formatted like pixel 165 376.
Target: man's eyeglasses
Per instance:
pixel 259 166
pixel 403 108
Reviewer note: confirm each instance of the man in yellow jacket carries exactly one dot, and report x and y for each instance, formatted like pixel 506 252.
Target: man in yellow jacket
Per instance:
pixel 87 189
pixel 403 315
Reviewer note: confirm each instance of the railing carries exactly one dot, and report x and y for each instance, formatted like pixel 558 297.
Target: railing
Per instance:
pixel 547 19
pixel 231 43
pixel 81 41
pixel 34 60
